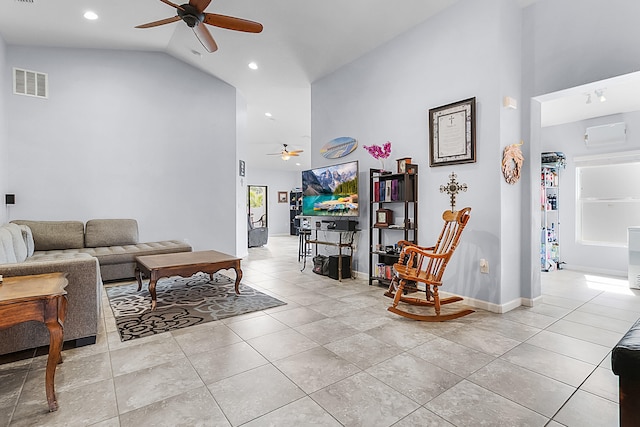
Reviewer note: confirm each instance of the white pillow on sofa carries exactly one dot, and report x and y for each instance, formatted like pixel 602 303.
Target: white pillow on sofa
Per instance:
pixel 19 245
pixel 27 235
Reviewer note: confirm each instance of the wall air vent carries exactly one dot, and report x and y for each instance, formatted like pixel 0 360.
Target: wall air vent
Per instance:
pixel 614 133
pixel 30 83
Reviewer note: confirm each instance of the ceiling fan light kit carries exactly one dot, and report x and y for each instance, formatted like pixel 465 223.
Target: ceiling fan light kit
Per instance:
pixel 193 15
pixel 285 154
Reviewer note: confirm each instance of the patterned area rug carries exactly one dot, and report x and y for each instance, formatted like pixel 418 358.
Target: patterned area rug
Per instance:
pixel 181 302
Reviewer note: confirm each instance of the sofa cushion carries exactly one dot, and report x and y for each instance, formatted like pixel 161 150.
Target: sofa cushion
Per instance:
pixel 110 232
pixel 58 255
pixel 127 253
pixel 50 235
pixel 19 245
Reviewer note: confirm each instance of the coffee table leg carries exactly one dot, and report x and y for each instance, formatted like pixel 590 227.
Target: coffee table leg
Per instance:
pixel 238 279
pixel 138 275
pixel 152 291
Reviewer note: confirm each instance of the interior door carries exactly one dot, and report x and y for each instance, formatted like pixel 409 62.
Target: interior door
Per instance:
pixel 257 205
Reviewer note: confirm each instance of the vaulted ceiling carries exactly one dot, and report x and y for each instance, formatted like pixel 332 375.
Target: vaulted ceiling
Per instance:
pixel 302 41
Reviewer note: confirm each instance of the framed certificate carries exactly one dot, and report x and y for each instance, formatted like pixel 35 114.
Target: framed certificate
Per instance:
pixel 452 133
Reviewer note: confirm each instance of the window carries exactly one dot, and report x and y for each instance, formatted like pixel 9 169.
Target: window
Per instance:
pixel 608 198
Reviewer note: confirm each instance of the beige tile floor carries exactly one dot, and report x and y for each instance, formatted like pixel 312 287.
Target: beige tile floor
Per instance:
pixel 334 356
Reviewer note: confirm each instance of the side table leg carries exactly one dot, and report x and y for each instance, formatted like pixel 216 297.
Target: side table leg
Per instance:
pixel 55 354
pixel 238 278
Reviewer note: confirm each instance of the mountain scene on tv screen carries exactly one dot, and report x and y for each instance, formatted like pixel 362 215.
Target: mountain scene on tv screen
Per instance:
pixel 330 191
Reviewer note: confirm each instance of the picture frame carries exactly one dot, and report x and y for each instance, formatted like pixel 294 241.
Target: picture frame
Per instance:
pixel 282 197
pixel 452 133
pixel 402 164
pixel 384 218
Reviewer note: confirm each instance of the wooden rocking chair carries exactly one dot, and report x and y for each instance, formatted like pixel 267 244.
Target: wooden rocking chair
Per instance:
pixel 418 264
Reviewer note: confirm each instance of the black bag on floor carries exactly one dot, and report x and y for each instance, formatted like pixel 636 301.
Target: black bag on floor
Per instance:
pixel 321 264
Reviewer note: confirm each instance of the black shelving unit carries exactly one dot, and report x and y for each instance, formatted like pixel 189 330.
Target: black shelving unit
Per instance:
pixel 398 193
pixel 295 209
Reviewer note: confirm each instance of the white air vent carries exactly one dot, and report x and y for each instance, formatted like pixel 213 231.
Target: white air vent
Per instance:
pixel 606 134
pixel 30 83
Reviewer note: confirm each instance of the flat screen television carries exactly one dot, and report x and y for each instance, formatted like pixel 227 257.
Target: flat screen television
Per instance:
pixel 331 190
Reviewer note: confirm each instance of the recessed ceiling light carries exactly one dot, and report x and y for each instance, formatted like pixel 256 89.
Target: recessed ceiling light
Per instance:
pixel 268 114
pixel 90 15
pixel 297 164
pixel 253 65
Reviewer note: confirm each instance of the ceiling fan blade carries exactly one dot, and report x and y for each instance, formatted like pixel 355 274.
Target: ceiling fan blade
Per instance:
pixel 296 151
pixel 293 154
pixel 161 22
pixel 201 5
pixel 232 23
pixel 172 4
pixel 275 154
pixel 205 38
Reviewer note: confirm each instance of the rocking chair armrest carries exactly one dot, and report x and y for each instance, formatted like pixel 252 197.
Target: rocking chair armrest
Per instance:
pixel 413 251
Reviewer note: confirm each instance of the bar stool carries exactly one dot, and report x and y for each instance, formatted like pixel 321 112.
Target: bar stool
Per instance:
pixel 303 234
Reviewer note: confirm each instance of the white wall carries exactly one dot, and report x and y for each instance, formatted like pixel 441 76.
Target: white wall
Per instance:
pixel 386 95
pixel 569 138
pixel 125 135
pixel 567 43
pixel 278 213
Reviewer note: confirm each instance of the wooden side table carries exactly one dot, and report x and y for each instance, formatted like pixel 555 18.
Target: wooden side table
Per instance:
pixel 42 298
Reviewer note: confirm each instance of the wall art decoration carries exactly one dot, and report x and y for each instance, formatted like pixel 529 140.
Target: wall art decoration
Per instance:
pixel 452 133
pixel 339 147
pixel 512 160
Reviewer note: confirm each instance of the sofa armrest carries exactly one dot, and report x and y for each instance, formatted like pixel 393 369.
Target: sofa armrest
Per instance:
pixel 83 295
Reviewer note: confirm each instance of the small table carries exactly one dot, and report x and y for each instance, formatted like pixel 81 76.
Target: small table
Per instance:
pixel 42 298
pixel 183 264
pixel 343 242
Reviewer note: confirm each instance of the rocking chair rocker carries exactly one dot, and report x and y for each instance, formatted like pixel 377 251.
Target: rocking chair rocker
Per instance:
pixel 426 265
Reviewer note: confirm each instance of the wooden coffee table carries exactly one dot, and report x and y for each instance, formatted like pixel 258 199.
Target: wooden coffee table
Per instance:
pixel 184 264
pixel 42 298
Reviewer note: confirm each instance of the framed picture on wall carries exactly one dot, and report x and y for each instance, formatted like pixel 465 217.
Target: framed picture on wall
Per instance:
pixel 282 197
pixel 452 133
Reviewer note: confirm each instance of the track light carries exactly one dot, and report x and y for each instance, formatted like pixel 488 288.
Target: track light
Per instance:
pixel 600 94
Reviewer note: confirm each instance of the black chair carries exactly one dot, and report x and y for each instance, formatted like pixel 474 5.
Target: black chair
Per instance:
pixel 258 236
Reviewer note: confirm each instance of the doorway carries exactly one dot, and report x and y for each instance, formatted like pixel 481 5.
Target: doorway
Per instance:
pixel 257 206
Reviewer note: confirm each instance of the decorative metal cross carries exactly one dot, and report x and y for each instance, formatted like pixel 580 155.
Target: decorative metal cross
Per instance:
pixel 452 189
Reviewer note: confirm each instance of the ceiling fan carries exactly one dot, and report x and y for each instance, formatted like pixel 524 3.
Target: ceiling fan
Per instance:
pixel 286 154
pixel 193 15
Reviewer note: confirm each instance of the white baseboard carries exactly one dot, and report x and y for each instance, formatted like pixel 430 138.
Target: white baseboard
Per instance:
pixel 485 305
pixel 492 307
pixel 528 302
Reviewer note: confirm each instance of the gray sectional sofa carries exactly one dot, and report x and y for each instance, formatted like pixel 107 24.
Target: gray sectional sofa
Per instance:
pixel 103 249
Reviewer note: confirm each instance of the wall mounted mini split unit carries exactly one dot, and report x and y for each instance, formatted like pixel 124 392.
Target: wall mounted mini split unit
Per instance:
pixel 614 133
pixel 30 83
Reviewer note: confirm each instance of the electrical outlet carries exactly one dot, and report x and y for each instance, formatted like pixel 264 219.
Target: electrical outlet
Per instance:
pixel 484 266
